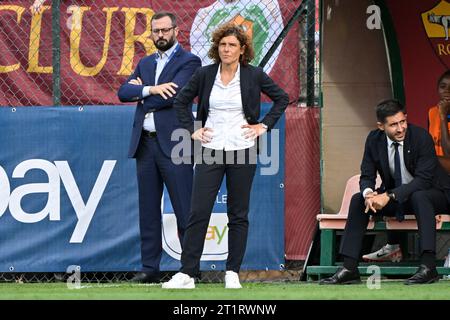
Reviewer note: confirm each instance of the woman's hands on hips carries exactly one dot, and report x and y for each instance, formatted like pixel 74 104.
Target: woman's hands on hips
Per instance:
pixel 203 134
pixel 253 131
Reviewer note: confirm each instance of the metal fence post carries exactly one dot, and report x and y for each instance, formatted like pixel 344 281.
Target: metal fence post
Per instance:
pixel 56 51
pixel 311 53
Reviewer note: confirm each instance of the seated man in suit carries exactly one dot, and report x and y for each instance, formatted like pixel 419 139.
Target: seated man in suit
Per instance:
pixel 439 128
pixel 412 181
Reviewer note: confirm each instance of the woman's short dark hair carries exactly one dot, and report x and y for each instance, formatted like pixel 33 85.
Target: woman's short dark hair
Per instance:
pixel 231 29
pixel 443 76
pixel 387 108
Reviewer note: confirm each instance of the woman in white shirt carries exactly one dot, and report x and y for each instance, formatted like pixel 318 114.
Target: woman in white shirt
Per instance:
pixel 229 103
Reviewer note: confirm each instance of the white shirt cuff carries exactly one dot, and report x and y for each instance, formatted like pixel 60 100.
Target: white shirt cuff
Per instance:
pixel 366 191
pixel 145 91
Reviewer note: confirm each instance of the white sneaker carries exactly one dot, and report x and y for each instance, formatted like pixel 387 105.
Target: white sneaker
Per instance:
pixel 179 281
pixel 232 280
pixel 387 253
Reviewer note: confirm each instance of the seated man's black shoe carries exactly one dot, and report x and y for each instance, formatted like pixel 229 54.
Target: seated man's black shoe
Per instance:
pixel 146 277
pixel 423 276
pixel 343 276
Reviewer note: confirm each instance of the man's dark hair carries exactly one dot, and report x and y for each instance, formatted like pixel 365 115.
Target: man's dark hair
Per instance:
pixel 162 14
pixel 387 108
pixel 443 76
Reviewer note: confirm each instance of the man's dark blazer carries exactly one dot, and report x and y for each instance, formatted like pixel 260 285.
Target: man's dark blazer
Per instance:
pixel 253 81
pixel 178 70
pixel 420 161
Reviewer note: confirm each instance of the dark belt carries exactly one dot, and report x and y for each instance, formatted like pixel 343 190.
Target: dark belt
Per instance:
pixel 150 134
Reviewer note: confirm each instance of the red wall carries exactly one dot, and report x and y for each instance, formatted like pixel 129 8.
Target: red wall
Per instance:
pixel 302 181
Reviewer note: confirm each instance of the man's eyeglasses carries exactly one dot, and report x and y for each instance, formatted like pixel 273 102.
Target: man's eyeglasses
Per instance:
pixel 163 30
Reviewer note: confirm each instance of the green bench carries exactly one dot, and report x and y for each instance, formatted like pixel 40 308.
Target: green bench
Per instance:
pixel 329 224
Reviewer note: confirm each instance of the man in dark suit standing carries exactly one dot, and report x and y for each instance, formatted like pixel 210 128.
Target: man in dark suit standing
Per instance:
pixel 154 85
pixel 413 181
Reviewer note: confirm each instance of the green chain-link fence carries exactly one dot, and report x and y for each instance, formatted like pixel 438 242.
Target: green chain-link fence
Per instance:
pixel 73 52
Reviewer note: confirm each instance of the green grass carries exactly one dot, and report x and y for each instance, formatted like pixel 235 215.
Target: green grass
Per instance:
pixel 251 291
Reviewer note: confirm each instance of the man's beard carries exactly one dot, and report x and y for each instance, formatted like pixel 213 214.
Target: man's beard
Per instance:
pixel 163 44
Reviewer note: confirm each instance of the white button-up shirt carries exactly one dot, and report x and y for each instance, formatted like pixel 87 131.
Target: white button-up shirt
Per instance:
pixel 226 116
pixel 162 59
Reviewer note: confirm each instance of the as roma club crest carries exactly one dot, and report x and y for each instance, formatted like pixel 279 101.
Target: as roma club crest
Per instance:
pixel 436 22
